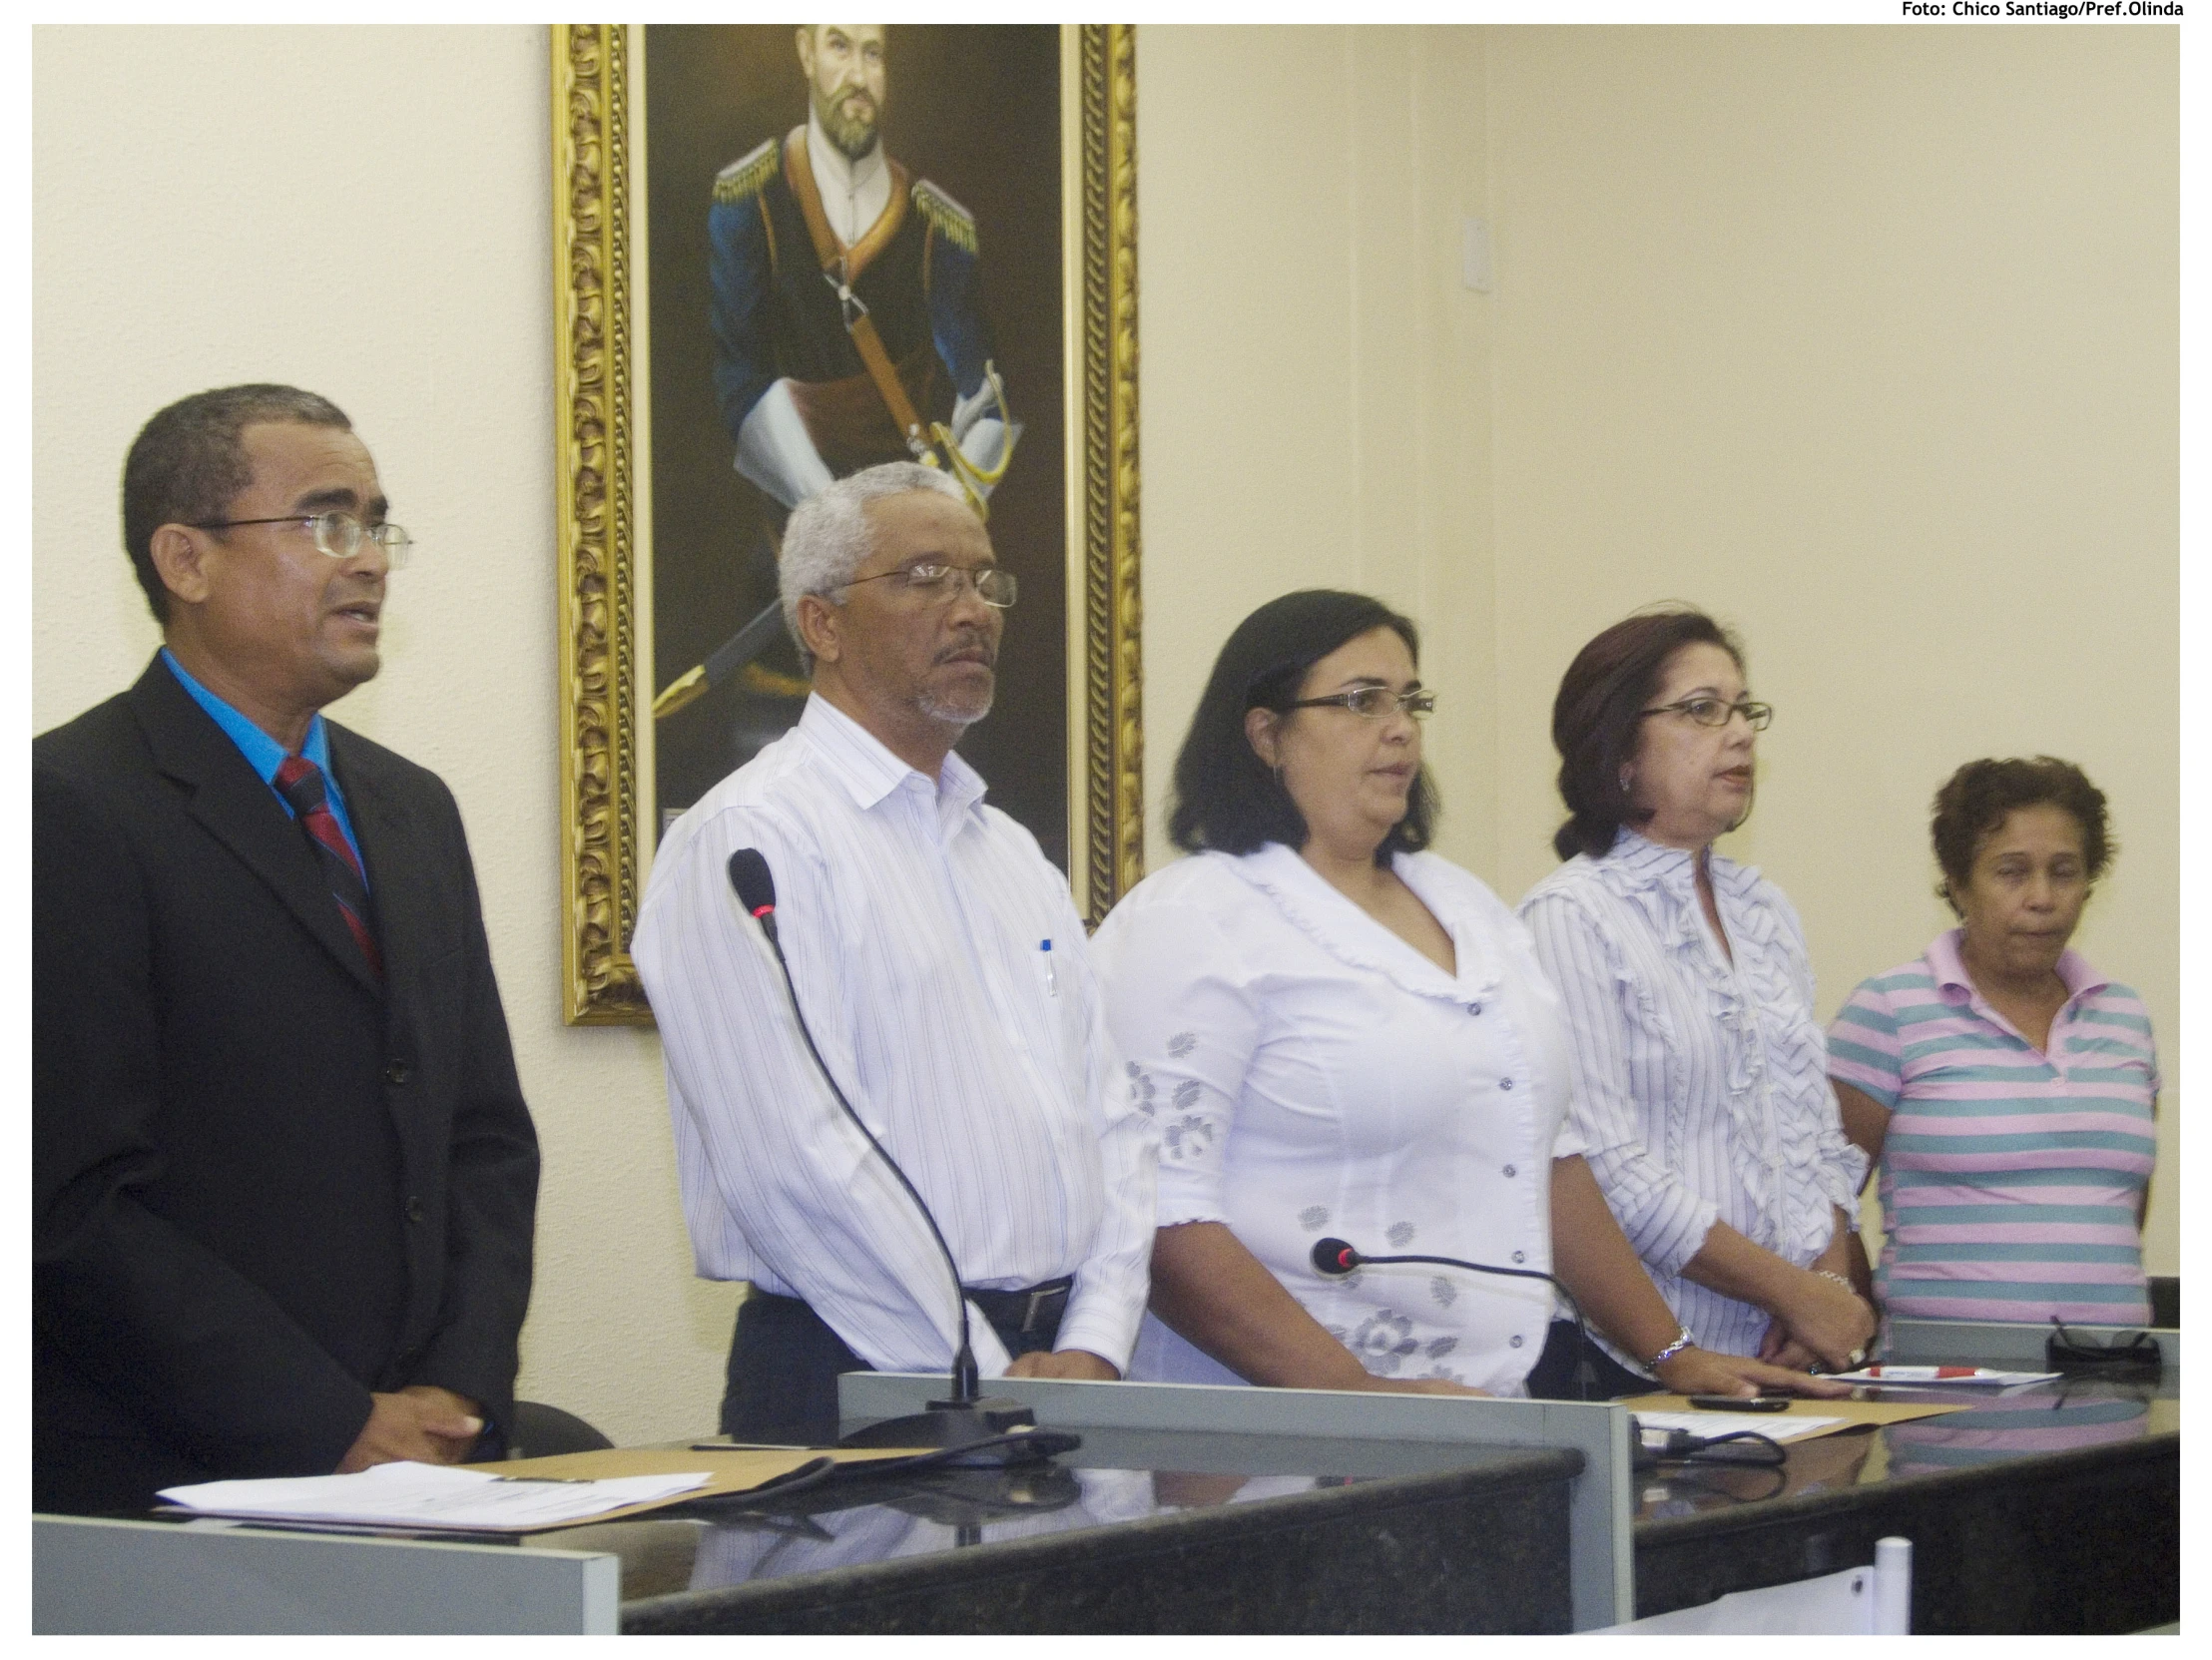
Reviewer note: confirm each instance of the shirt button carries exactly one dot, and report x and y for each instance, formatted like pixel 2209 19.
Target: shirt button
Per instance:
pixel 1505 1083
pixel 1515 1339
pixel 1474 1008
pixel 1511 1171
pixel 416 1210
pixel 1520 1256
pixel 396 1073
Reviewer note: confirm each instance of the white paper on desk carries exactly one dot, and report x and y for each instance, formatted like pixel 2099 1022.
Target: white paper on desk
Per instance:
pixel 1987 1380
pixel 429 1495
pixel 1781 1426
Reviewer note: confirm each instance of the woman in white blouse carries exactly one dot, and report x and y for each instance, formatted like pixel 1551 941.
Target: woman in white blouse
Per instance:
pixel 1701 1095
pixel 1340 1034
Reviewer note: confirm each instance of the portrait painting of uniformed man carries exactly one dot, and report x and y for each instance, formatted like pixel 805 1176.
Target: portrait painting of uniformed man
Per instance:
pixel 853 248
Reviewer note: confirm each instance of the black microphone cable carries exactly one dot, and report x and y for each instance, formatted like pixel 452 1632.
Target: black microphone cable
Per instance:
pixel 1333 1258
pixel 756 889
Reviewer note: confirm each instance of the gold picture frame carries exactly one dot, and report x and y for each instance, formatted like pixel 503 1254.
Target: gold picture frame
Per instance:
pixel 603 511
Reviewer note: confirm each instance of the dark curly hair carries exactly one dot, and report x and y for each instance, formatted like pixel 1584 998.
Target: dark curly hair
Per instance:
pixel 188 463
pixel 1596 717
pixel 1226 797
pixel 1976 801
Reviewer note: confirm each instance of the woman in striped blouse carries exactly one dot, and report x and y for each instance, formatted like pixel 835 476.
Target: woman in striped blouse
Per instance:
pixel 2005 1087
pixel 1699 1086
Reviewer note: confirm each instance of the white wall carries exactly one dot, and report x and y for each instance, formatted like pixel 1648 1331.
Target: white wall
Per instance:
pixel 204 213
pixel 1865 338
pixel 1316 381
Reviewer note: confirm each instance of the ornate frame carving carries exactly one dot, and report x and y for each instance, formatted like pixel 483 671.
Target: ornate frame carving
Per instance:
pixel 605 820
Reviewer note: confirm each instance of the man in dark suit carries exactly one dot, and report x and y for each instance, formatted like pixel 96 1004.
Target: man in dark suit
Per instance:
pixel 283 1174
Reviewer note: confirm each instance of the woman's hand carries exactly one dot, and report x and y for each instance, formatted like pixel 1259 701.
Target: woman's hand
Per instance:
pixel 1778 1348
pixel 1701 1371
pixel 1831 1320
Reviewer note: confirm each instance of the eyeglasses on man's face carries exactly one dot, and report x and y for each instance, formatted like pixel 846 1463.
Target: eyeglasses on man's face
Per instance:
pixel 1715 712
pixel 1373 702
pixel 337 534
pixel 934 582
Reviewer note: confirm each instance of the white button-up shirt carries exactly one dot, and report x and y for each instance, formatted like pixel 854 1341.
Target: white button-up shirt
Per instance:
pixel 1700 1083
pixel 947 979
pixel 1313 1074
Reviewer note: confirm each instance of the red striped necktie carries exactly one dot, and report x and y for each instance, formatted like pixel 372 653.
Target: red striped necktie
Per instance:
pixel 300 781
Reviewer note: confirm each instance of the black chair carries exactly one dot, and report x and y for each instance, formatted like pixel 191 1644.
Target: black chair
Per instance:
pixel 540 1431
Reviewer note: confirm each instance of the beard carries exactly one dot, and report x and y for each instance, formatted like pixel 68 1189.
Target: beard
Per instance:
pixel 958 710
pixel 854 135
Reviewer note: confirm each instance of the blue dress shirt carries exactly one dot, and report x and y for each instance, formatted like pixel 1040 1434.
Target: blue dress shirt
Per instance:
pixel 265 754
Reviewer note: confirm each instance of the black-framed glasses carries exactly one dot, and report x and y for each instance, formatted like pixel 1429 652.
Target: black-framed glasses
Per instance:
pixel 1373 702
pixel 938 583
pixel 1714 712
pixel 337 534
pixel 2127 1352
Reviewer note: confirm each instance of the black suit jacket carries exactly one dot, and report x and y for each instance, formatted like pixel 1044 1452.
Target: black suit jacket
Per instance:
pixel 265 1185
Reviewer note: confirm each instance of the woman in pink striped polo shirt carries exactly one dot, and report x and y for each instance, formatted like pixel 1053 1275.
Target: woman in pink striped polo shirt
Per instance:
pixel 2004 1087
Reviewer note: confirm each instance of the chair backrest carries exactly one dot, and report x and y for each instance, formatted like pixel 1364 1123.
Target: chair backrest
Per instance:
pixel 541 1431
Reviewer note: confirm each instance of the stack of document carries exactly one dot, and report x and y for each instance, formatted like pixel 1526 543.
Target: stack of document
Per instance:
pixel 429 1496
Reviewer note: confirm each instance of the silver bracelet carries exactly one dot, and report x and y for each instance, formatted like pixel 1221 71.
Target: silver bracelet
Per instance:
pixel 1831 1274
pixel 1682 1340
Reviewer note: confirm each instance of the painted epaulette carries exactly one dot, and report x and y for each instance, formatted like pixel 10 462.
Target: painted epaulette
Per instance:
pixel 745 176
pixel 952 222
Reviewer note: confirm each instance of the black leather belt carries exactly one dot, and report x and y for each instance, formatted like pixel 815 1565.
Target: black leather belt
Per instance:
pixel 1023 1310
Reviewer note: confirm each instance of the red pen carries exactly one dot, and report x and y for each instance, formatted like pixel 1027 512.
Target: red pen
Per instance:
pixel 1925 1374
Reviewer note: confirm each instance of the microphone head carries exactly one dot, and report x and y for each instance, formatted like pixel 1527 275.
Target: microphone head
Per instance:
pixel 756 889
pixel 1334 1257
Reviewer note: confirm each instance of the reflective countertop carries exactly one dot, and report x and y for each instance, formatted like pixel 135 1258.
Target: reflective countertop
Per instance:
pixel 1116 1477
pixel 1998 1425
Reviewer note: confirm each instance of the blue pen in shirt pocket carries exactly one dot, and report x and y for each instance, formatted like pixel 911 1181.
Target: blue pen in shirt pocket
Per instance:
pixel 1051 981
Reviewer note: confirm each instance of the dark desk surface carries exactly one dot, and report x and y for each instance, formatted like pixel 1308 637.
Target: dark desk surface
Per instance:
pixel 2048 1508
pixel 1250 1501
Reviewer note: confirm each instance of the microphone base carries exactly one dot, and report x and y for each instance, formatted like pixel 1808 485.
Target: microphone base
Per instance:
pixel 950 1424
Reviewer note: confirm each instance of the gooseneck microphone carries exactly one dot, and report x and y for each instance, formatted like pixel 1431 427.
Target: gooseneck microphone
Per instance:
pixel 1333 1258
pixel 969 1416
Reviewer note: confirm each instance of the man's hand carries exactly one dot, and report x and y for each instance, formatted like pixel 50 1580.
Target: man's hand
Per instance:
pixel 1064 1362
pixel 1701 1371
pixel 421 1422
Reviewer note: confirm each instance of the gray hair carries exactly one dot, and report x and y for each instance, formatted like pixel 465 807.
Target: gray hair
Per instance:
pixel 829 536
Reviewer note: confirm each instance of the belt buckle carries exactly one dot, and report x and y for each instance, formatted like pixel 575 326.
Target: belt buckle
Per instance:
pixel 1037 1298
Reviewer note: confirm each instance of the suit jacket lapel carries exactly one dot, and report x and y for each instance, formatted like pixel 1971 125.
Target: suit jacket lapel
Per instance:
pixel 239 810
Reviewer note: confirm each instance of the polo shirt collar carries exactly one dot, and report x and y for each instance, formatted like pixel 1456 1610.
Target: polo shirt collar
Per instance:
pixel 1949 967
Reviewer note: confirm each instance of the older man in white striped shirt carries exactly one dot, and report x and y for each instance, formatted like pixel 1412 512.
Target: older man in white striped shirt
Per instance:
pixel 943 972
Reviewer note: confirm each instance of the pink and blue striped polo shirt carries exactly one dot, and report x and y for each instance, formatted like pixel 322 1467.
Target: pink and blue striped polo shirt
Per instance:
pixel 2011 1176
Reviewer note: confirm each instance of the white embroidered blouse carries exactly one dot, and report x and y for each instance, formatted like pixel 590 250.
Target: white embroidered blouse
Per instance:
pixel 1700 1085
pixel 1312 1074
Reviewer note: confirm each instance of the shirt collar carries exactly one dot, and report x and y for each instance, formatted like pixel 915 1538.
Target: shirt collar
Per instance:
pixel 869 770
pixel 1336 923
pixel 1652 863
pixel 1948 966
pixel 835 171
pixel 262 753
